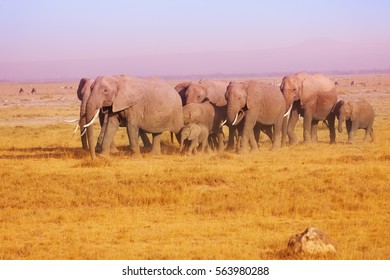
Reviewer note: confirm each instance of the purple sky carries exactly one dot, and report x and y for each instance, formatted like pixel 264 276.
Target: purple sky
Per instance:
pixel 71 39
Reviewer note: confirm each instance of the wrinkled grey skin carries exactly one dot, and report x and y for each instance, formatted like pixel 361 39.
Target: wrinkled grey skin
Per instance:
pixel 314 97
pixel 208 115
pixel 150 105
pixel 196 134
pixel 204 90
pixel 83 93
pixel 357 115
pixel 254 102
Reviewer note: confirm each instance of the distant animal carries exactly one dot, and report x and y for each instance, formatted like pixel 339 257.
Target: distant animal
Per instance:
pixel 357 115
pixel 314 96
pixel 353 83
pixel 33 91
pixel 21 91
pixel 196 135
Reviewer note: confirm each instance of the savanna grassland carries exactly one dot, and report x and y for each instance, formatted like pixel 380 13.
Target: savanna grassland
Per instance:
pixel 55 203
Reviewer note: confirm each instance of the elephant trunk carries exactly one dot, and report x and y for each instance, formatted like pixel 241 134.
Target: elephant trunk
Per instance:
pixel 83 95
pixel 287 114
pixel 235 116
pixel 83 134
pixel 289 99
pixel 92 111
pixel 341 120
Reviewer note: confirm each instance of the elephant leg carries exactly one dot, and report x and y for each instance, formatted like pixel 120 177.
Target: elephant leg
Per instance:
pixel 351 137
pixel 221 144
pixel 243 145
pixel 371 130
pixel 109 134
pixel 132 133
pixel 313 133
pixel 204 145
pixel 156 145
pixel 351 134
pixel 246 134
pixel 232 131
pixel 365 135
pixel 284 131
pixel 256 133
pixel 103 120
pixel 253 143
pixel 307 123
pixel 194 145
pixel 210 140
pixel 145 140
pixel 332 129
pixel 294 117
pixel 277 139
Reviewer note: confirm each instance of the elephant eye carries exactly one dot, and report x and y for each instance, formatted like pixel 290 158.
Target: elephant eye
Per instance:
pixel 294 89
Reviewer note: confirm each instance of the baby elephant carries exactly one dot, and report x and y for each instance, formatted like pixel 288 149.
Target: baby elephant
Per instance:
pixel 196 134
pixel 357 114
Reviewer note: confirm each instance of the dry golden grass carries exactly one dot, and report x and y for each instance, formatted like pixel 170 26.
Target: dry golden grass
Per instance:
pixel 55 203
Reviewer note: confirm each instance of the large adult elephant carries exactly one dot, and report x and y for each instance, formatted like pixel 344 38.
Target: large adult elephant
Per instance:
pixel 83 93
pixel 314 96
pixel 213 91
pixel 151 105
pixel 255 102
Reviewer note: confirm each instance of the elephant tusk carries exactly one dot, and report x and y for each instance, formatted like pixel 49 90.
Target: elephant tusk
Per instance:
pixel 84 131
pixel 93 119
pixel 76 128
pixel 288 111
pixel 71 121
pixel 222 123
pixel 235 119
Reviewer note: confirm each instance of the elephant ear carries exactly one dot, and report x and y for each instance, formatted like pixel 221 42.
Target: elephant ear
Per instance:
pixel 129 93
pixel 215 93
pixel 354 111
pixel 282 83
pixel 80 89
pixel 181 89
pixel 336 109
pixel 251 97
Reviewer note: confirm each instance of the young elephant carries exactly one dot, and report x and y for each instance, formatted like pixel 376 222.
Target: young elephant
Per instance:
pixel 208 115
pixel 197 134
pixel 357 114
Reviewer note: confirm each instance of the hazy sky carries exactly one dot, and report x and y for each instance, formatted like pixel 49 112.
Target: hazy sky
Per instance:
pixel 210 36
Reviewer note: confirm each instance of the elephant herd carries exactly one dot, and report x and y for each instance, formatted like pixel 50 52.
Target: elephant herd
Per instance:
pixel 196 112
